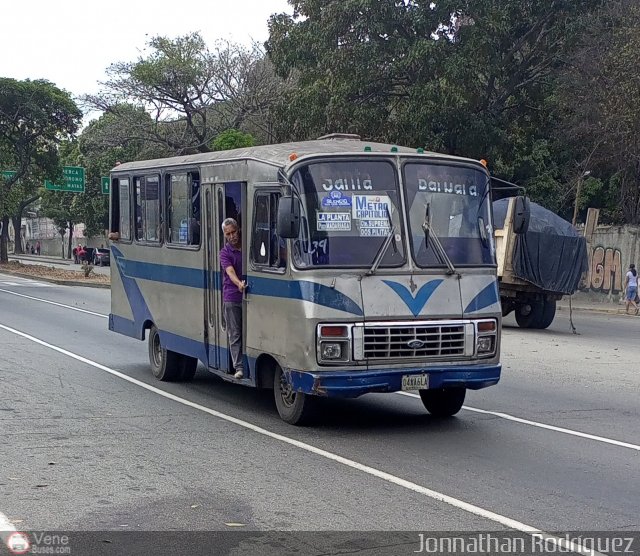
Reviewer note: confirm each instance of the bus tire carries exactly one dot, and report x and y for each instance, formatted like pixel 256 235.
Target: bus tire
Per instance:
pixel 529 313
pixel 294 408
pixel 188 367
pixel 548 314
pixel 165 364
pixel 443 402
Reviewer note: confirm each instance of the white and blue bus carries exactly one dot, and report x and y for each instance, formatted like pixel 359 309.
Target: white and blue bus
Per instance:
pixel 370 268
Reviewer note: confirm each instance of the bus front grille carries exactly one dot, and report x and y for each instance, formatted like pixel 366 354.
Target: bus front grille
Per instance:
pixel 414 342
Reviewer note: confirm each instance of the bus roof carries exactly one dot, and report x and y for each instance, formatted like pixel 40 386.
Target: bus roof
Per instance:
pixel 278 154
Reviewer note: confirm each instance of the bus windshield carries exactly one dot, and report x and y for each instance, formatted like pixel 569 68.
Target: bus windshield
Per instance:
pixel 450 202
pixel 350 209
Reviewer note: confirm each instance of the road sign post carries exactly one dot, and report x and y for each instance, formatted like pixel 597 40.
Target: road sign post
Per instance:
pixel 106 186
pixel 73 180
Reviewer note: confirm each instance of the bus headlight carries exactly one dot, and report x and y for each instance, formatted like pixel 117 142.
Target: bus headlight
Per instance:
pixel 485 344
pixel 333 343
pixel 487 337
pixel 330 350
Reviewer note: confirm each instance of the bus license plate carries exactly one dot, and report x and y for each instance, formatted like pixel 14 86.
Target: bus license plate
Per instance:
pixel 415 382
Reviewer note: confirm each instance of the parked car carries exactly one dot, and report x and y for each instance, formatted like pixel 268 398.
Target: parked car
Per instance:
pixel 101 257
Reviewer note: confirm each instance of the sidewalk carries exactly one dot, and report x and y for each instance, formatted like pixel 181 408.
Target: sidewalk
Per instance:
pixel 578 304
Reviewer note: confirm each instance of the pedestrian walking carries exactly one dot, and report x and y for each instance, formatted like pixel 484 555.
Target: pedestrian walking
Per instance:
pixel 631 289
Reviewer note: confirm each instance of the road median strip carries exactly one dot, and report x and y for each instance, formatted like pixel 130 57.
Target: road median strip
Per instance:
pixel 55 276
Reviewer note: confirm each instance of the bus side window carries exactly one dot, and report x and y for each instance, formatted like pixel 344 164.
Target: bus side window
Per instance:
pixel 147 209
pixel 267 248
pixel 194 212
pixel 121 208
pixel 183 208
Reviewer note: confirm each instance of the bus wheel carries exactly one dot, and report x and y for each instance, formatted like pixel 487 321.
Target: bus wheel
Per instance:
pixel 294 408
pixel 165 364
pixel 188 366
pixel 443 402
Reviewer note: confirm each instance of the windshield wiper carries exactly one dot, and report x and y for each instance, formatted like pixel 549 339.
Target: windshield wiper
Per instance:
pixel 428 230
pixel 390 239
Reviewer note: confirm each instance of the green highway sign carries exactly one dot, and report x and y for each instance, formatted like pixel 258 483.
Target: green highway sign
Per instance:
pixel 8 174
pixel 73 180
pixel 105 185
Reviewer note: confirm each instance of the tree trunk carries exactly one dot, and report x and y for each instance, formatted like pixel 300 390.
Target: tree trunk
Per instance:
pixel 4 240
pixel 62 242
pixel 17 222
pixel 17 232
pixel 70 246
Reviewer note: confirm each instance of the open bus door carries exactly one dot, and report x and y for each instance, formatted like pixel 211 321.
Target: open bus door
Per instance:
pixel 222 201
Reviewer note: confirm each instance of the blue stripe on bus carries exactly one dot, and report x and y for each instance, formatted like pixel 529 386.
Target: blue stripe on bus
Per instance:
pixel 488 296
pixel 178 275
pixel 348 383
pixel 414 303
pixel 305 291
pixel 182 344
pixel 193 277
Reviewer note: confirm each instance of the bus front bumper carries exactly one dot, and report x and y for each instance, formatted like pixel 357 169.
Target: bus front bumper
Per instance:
pixel 354 383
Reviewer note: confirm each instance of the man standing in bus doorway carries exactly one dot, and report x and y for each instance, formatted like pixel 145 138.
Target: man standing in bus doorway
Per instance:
pixel 232 290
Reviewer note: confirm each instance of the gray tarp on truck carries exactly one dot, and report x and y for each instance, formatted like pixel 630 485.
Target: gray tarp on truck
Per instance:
pixel 551 255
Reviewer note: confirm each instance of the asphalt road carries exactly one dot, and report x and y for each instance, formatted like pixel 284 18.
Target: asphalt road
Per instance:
pixel 88 446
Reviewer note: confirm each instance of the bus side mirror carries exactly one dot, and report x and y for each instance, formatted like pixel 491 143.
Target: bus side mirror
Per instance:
pixel 521 215
pixel 288 225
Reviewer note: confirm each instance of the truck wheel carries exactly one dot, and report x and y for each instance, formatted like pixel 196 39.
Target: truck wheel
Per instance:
pixel 528 314
pixel 294 408
pixel 548 314
pixel 443 402
pixel 165 364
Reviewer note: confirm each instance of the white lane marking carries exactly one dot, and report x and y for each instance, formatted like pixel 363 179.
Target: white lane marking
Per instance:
pixel 6 528
pixel 543 425
pixel 24 282
pixel 434 495
pixel 54 303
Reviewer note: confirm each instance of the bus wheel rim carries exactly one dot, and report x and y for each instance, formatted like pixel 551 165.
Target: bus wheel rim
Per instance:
pixel 157 351
pixel 287 394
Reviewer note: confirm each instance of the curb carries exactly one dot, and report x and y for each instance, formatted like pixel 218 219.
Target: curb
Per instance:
pixel 610 311
pixel 43 259
pixel 55 280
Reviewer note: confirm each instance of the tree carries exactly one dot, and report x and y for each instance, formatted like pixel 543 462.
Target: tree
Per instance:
pixel 25 192
pixel 465 78
pixel 34 117
pixel 599 97
pixel 232 139
pixel 189 93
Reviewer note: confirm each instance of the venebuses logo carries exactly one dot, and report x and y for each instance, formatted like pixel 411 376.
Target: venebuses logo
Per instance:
pixel 18 543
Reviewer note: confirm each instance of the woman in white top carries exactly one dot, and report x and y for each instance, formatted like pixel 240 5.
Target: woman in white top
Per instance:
pixel 631 287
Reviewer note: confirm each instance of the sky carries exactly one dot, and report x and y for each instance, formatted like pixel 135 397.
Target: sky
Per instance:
pixel 72 42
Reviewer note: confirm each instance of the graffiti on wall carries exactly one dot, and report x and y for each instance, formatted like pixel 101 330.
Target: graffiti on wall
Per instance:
pixel 606 273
